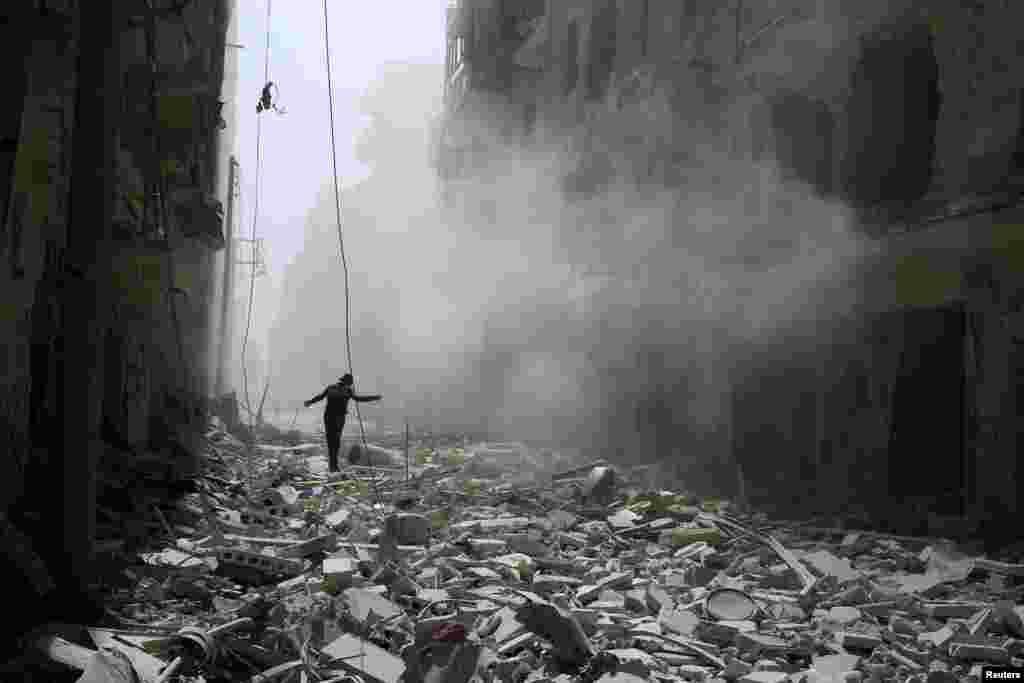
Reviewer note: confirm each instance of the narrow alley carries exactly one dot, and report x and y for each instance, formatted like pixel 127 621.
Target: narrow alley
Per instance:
pixel 512 341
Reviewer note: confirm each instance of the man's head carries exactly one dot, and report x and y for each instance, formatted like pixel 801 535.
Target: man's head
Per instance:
pixel 347 379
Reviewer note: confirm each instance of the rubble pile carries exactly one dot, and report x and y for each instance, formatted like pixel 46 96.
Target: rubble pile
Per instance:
pixel 485 565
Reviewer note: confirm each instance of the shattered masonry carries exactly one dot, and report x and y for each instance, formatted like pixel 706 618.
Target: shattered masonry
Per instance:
pixel 543 569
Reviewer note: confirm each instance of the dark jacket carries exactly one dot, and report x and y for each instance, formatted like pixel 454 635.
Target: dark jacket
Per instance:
pixel 338 396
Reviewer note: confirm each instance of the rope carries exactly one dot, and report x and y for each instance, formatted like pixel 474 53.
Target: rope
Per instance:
pixel 337 210
pixel 255 218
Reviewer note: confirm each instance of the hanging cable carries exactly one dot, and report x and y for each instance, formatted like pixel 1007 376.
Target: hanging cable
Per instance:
pixel 337 210
pixel 255 219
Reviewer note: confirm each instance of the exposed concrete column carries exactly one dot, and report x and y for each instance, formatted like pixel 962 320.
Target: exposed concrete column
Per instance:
pixel 97 107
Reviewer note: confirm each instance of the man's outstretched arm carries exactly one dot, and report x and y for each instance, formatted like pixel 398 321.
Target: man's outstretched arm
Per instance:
pixel 370 398
pixel 316 399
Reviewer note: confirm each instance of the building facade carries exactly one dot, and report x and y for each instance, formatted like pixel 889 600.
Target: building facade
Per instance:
pixel 112 185
pixel 905 115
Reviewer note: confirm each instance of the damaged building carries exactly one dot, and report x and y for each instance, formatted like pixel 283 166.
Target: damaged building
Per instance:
pixel 114 176
pixel 902 405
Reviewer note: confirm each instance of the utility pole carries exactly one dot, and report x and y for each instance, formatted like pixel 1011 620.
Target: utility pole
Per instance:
pixel 407 449
pixel 228 285
pixel 88 254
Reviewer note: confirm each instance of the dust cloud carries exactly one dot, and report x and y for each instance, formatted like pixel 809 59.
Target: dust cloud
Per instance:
pixel 572 296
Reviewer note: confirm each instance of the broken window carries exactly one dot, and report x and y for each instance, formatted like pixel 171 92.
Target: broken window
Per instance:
pixel 519 17
pixel 602 49
pixel 572 57
pixel 893 112
pixel 802 136
pixel 928 411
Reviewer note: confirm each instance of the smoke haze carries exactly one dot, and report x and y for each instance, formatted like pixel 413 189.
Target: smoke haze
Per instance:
pixel 592 311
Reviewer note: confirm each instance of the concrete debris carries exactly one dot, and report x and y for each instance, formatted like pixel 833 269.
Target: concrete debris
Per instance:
pixel 484 566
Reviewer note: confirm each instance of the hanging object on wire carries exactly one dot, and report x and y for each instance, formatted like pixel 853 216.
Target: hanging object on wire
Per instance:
pixel 270 101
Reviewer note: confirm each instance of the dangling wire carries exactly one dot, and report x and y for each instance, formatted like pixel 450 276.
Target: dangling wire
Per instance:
pixel 337 210
pixel 255 219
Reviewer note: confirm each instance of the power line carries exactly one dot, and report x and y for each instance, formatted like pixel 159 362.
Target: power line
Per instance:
pixel 255 218
pixel 337 209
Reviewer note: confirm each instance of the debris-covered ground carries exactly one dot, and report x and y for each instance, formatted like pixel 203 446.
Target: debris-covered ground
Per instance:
pixel 496 563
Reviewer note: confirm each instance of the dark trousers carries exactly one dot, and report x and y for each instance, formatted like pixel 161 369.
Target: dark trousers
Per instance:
pixel 333 426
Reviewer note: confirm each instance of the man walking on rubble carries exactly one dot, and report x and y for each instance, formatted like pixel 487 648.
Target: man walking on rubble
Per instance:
pixel 338 396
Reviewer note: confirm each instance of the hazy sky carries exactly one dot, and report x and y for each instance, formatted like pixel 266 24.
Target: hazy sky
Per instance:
pixel 296 157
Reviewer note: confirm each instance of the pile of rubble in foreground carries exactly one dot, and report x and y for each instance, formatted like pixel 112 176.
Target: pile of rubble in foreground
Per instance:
pixel 472 570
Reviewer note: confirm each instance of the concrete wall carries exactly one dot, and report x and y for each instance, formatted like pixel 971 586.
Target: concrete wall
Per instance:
pixel 32 238
pixel 145 364
pixel 902 111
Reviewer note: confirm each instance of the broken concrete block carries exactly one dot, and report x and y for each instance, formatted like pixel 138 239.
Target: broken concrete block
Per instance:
pixel 844 615
pixel 829 565
pixel 768 665
pixel 621 677
pixel 994 654
pixel 590 593
pixel 683 536
pixel 320 544
pixel 694 672
pixel 516 643
pixel 636 600
pixel 496 524
pixel 765 677
pixel 408 529
pixel 522 543
pixel 904 626
pixel 786 612
pixel 266 565
pixel 717 633
pixel 859 641
pixel 365 659
pixel 146 666
pixel 832 667
pixel 739 625
pixel 562 520
pixel 558 627
pixel 952 610
pixel 483 573
pixel 1007 619
pixel 550 583
pixel 939 638
pixel 736 669
pixel 761 644
pixel 461 666
pixel 657 597
pixel 675 620
pixel 700 576
pixel 624 519
pixel 338 518
pixel 340 569
pixel 488 547
pixel 362 602
pixel 633 661
pixel 609 601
